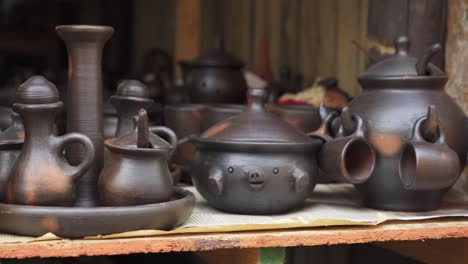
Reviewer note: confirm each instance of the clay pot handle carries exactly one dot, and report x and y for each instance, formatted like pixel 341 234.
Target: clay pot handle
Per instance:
pixel 323 132
pixel 427 128
pixel 167 133
pixel 76 171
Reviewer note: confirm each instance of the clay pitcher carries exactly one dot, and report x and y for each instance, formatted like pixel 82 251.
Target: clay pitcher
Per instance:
pixel 41 175
pixel 136 171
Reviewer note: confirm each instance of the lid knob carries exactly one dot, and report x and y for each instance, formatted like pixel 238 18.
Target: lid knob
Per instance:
pixel 133 88
pixel 37 90
pixel 256 97
pixel 402 45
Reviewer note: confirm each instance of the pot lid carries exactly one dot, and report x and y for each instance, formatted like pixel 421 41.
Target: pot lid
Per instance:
pixel 132 90
pixel 216 57
pixel 14 134
pixel 37 90
pixel 403 64
pixel 255 125
pixel 141 137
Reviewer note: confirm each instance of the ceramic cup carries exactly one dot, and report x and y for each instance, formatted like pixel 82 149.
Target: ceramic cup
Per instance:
pixel 428 165
pixel 349 158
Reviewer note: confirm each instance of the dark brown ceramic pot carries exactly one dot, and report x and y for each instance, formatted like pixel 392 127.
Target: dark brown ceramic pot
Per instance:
pixel 303 117
pixel 215 77
pixel 11 142
pixel 84 99
pixel 254 163
pixel 397 92
pixel 185 120
pixel 137 171
pixel 41 175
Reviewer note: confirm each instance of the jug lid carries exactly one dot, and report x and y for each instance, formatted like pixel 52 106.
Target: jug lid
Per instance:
pixel 255 124
pixel 37 90
pixel 141 138
pixel 14 134
pixel 402 64
pixel 132 90
pixel 216 56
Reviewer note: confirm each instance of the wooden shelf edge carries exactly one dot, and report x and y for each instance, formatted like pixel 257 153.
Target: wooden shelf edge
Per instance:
pixel 396 231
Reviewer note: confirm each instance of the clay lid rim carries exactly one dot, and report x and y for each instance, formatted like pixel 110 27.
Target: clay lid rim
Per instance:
pixel 84 28
pixel 11 143
pixel 402 77
pixel 37 106
pixel 134 150
pixel 238 143
pixel 132 98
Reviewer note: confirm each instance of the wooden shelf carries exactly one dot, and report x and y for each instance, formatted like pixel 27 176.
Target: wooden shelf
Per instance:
pixel 395 231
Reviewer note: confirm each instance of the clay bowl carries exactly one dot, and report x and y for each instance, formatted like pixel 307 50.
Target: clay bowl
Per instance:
pixel 73 222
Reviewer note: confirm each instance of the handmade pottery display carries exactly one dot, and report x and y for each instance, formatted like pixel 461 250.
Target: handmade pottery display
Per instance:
pixel 11 142
pixel 79 222
pixel 215 77
pixel 254 163
pixel 397 93
pixel 137 170
pixel 84 103
pixel 131 96
pixel 41 175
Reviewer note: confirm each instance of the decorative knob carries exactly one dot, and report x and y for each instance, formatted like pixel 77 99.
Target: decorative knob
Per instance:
pixel 132 88
pixel 402 45
pixel 256 97
pixel 37 90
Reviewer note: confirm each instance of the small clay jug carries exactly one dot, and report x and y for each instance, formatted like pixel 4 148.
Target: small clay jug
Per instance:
pixel 137 171
pixel 131 96
pixel 11 141
pixel 41 175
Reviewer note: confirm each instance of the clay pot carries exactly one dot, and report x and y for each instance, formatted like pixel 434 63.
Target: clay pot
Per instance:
pixel 84 99
pixel 254 163
pixel 11 142
pixel 397 92
pixel 215 113
pixel 302 117
pixel 137 171
pixel 215 77
pixel 41 175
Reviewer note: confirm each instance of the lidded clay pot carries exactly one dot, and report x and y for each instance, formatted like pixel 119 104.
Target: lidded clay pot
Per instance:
pixel 215 77
pixel 254 163
pixel 397 92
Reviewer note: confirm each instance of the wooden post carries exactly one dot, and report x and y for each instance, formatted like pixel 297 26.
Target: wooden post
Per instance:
pixel 457 52
pixel 424 22
pixel 188 30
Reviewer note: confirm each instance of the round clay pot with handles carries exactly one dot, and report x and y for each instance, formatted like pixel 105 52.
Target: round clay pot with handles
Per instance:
pixel 396 93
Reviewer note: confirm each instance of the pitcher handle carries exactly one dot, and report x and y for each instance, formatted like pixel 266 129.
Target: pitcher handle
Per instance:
pixel 76 171
pixel 166 133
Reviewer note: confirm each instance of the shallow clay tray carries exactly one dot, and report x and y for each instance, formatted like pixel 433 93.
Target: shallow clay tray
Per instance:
pixel 78 222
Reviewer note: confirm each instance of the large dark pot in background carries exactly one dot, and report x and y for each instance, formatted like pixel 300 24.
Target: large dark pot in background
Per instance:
pixel 214 77
pixel 397 92
pixel 254 163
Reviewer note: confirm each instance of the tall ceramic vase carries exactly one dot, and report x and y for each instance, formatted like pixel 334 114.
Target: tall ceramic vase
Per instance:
pixel 84 100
